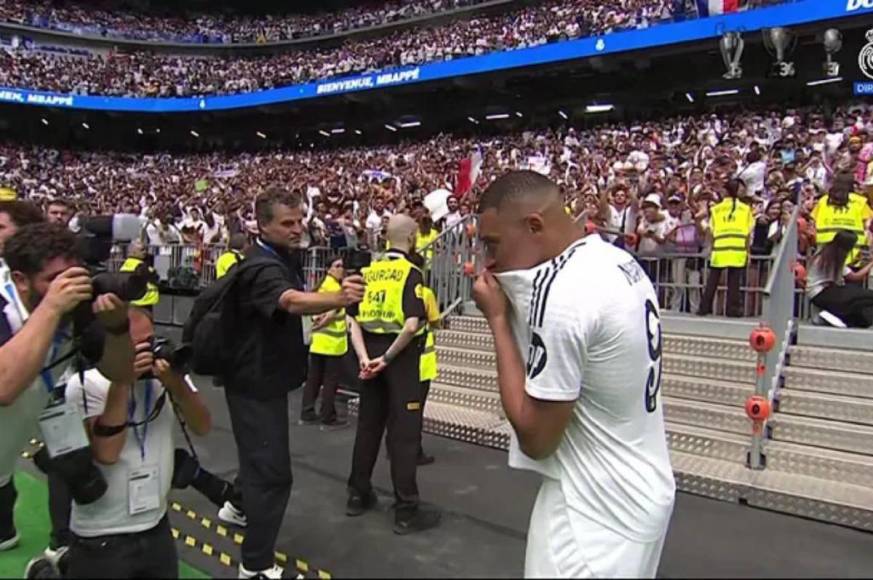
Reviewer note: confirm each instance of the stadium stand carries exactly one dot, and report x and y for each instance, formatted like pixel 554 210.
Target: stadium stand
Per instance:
pixel 157 75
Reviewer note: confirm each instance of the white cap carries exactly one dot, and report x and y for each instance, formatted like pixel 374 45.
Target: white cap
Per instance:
pixel 654 199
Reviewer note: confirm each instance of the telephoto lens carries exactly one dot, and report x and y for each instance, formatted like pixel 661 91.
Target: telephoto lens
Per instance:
pixel 77 470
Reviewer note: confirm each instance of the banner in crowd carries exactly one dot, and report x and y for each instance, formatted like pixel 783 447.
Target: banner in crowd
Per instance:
pixel 790 14
pixel 468 173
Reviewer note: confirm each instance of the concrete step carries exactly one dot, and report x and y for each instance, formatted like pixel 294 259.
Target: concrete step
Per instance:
pixel 811 497
pixel 822 406
pixel 718 369
pixel 837 466
pixel 679 344
pixel 822 433
pixel 828 381
pixel 722 418
pixel 849 361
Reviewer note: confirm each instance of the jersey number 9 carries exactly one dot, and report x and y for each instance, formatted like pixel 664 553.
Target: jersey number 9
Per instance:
pixel 654 346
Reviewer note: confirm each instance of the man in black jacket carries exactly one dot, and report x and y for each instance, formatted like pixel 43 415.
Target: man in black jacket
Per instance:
pixel 271 360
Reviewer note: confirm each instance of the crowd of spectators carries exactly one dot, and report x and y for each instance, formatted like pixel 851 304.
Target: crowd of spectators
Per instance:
pixel 784 159
pixel 147 74
pixel 105 19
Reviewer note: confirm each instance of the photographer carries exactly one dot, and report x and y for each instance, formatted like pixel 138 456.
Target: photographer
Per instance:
pixel 126 533
pixel 46 285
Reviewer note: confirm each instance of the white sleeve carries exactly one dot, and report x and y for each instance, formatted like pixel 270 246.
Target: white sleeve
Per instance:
pixel 557 352
pixel 96 390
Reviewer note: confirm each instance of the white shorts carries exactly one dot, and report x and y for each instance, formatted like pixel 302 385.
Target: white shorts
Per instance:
pixel 561 543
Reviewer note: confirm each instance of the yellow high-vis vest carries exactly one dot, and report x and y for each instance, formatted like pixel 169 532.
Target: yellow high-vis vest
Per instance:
pixel 332 339
pixel 830 219
pixel 423 240
pixel 428 369
pixel 381 311
pixel 731 228
pixel 225 262
pixel 152 295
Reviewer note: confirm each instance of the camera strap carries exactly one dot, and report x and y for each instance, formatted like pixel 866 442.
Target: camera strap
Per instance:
pixel 184 426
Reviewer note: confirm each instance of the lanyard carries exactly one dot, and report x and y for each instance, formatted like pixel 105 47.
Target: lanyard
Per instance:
pixel 131 412
pixel 46 374
pixel 268 248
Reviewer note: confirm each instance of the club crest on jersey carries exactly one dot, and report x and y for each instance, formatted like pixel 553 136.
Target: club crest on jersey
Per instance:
pixel 536 356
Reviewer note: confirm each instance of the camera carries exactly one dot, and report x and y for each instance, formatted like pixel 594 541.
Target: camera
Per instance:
pixel 187 472
pixel 165 349
pixel 77 470
pixel 357 260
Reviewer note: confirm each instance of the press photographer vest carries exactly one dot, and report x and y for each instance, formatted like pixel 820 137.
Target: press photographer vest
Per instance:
pixel 381 311
pixel 152 295
pixel 732 222
pixel 332 339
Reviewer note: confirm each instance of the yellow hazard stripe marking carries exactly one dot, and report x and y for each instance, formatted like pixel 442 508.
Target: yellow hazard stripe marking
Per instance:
pixel 237 538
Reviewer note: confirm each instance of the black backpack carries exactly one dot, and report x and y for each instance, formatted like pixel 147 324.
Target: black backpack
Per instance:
pixel 207 337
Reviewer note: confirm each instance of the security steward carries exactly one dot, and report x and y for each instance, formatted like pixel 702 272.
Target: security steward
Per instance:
pixel 425 237
pixel 234 254
pixel 842 210
pixel 136 256
pixel 329 345
pixel 388 336
pixel 427 368
pixel 732 222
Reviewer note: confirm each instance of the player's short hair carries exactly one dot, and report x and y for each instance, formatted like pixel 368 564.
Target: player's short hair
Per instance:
pixel 272 196
pixel 515 185
pixel 22 213
pixel 62 202
pixel 34 245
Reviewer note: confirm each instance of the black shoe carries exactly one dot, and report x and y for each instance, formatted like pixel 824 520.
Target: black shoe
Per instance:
pixel 335 422
pixel 358 505
pixel 416 521
pixel 424 459
pixel 9 540
pixel 309 419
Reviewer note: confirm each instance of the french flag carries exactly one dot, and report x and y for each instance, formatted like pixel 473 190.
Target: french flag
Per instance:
pixel 713 7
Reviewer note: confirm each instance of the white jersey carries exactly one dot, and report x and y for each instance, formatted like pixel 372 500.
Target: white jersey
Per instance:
pixel 589 323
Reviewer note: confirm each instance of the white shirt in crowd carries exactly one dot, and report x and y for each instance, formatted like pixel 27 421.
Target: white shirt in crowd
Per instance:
pixel 146 450
pixel 754 175
pixel 648 246
pixel 622 220
pixel 453 219
pixel 589 321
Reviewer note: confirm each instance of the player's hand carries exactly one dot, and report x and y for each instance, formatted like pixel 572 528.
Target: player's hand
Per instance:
pixel 144 360
pixel 489 296
pixel 353 288
pixel 111 311
pixel 373 368
pixel 71 287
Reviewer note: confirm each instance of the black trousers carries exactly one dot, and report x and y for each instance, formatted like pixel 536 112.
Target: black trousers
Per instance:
pixel 149 554
pixel 851 303
pixel 392 400
pixel 260 428
pixel 60 506
pixel 425 391
pixel 323 375
pixel 8 495
pixel 734 299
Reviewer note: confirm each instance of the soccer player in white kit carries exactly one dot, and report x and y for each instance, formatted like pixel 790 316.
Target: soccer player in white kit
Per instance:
pixel 578 341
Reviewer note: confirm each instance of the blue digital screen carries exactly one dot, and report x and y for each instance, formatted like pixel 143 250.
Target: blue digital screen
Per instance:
pixel 791 14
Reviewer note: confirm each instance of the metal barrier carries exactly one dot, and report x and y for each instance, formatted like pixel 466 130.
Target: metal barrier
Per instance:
pixel 779 313
pixel 450 271
pixel 679 280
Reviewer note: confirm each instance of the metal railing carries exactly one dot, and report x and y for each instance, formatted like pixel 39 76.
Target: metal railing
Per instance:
pixel 779 313
pixel 680 279
pixel 449 272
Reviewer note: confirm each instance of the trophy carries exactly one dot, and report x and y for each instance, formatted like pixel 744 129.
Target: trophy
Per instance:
pixel 833 42
pixel 732 45
pixel 778 42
